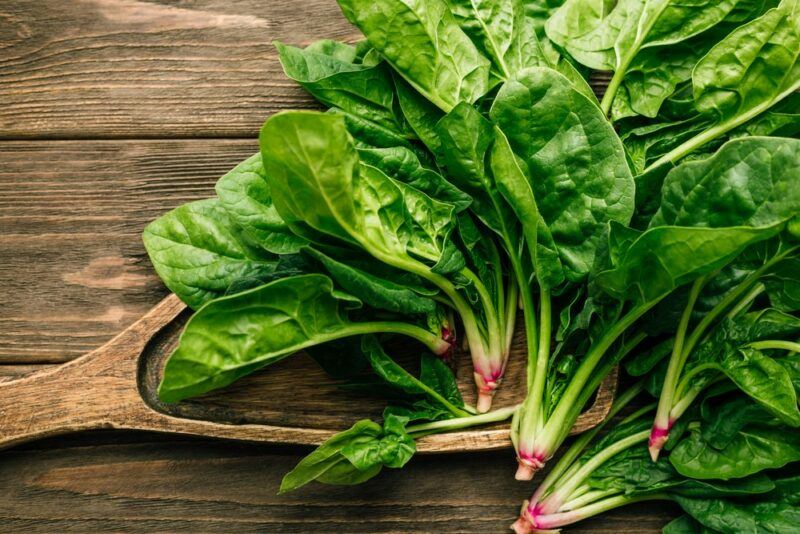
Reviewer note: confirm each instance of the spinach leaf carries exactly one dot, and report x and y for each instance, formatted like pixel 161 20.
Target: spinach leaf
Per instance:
pixel 573 160
pixel 764 380
pixel 437 390
pixel 198 250
pixel 732 516
pixel 328 455
pixel 753 449
pixel 233 336
pixel 610 36
pixel 355 455
pixel 244 194
pixel 329 70
pixel 435 374
pixel 748 181
pixel 751 69
pixel 421 40
pixel 317 179
pixel 402 164
pixel 375 291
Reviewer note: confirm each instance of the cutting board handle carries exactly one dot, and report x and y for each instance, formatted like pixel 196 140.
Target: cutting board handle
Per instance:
pixel 102 390
pixel 97 390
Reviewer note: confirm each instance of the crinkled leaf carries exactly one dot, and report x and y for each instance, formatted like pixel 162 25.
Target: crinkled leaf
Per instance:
pixel 198 250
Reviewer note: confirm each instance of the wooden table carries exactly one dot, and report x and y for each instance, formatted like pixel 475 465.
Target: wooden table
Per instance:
pixel 111 113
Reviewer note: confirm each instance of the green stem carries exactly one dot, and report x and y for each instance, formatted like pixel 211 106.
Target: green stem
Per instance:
pixel 492 321
pixel 536 391
pixel 746 301
pixel 720 129
pixel 554 521
pixel 432 341
pixel 685 382
pixel 511 312
pixel 611 91
pixel 563 490
pixel 581 442
pixel 684 402
pixel 727 301
pixel 676 361
pixel 587 498
pixel 435 427
pixel 564 414
pixel 775 344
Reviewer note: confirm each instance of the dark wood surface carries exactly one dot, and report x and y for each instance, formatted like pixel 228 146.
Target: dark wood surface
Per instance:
pixel 112 112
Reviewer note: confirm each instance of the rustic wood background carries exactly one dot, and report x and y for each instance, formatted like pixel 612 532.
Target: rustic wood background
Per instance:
pixel 111 113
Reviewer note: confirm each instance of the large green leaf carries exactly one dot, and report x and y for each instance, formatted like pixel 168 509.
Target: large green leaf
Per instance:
pixel 666 257
pixel 423 42
pixel 373 290
pixel 316 178
pixel 752 68
pixel 403 165
pixel 199 251
pixel 749 181
pixel 329 70
pixel 233 336
pixel 607 36
pixel 753 449
pixel 573 159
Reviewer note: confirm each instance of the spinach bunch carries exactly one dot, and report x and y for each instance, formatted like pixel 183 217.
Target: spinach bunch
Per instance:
pixel 464 168
pixel 723 471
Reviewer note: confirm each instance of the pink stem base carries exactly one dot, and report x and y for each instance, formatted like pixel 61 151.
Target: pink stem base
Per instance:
pixel 527 465
pixel 658 438
pixel 526 523
pixel 486 388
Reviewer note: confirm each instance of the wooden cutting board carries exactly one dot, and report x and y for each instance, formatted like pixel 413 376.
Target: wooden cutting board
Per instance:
pixel 296 403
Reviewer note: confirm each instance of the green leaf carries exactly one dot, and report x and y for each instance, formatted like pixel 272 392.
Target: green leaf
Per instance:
pixel 502 32
pixel 244 194
pixel 608 38
pixel 765 380
pixel 403 165
pixel 328 456
pixel 782 285
pixel 666 257
pixel 573 160
pixel 729 418
pixel 749 181
pixel 753 449
pixel 397 377
pixel 394 449
pixel 754 67
pixel 422 41
pixel 734 516
pixel 374 291
pixel 435 374
pixel 316 179
pixel 199 251
pixel 329 70
pixel 233 336
pixel 685 525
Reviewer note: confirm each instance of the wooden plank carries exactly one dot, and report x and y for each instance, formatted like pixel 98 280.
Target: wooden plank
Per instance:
pixel 105 483
pixel 130 68
pixel 72 265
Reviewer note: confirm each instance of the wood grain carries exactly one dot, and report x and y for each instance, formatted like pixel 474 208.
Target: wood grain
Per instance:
pixel 132 69
pixel 143 483
pixel 72 265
